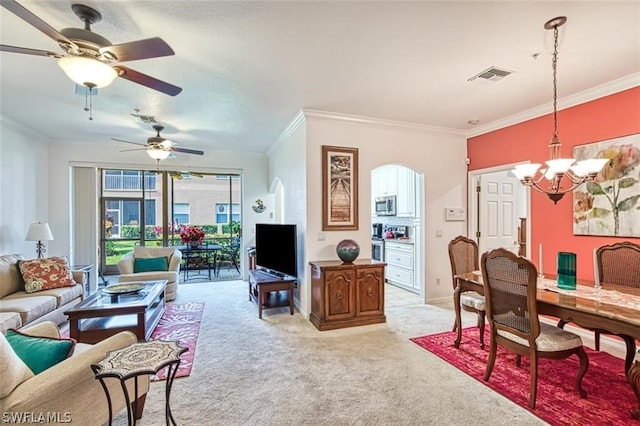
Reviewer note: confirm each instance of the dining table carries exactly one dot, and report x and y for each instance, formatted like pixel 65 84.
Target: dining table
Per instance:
pixel 609 307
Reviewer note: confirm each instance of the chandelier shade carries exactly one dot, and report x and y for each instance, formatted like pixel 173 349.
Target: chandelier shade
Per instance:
pixel 88 72
pixel 561 175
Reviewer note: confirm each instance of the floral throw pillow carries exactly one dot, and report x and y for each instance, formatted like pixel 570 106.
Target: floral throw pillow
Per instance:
pixel 44 274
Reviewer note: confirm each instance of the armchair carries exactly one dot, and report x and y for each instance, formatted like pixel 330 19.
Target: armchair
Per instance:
pixel 128 273
pixel 70 386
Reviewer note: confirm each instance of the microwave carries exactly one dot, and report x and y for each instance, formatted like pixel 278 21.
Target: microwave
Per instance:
pixel 386 206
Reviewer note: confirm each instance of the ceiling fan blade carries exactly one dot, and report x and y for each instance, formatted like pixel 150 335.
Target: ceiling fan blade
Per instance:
pixel 20 11
pixel 148 81
pixel 133 149
pixel 142 49
pixel 27 51
pixel 135 143
pixel 188 151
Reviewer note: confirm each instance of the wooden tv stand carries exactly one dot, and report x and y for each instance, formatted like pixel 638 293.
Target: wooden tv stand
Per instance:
pixel 261 284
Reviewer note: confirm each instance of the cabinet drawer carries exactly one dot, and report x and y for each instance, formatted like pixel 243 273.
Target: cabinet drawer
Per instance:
pixel 399 258
pixel 400 276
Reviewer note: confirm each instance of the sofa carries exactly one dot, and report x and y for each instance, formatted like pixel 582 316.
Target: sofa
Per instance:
pixel 69 389
pixel 19 308
pixel 170 271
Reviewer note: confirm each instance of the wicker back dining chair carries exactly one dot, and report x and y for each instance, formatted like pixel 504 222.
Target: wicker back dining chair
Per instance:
pixel 510 294
pixel 463 256
pixel 618 264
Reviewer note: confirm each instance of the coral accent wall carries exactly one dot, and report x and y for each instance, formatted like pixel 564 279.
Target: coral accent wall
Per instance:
pixel 604 118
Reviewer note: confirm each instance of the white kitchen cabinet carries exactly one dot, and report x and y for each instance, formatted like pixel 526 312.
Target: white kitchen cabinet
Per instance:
pixel 406 184
pixel 385 181
pixel 400 258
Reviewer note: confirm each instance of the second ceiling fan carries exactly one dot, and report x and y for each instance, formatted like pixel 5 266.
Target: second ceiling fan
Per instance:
pixel 158 147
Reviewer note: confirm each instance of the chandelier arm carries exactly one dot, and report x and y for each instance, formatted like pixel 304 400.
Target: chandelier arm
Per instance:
pixel 558 191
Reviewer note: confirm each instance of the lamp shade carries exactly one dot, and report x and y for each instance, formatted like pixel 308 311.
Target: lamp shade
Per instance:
pixel 39 232
pixel 87 71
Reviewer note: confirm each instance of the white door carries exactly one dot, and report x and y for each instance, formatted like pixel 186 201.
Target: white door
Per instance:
pixel 498 211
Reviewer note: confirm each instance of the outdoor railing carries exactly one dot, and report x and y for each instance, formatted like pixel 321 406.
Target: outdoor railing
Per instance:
pixel 129 183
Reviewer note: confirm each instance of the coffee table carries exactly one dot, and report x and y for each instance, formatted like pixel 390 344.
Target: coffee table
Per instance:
pixel 102 315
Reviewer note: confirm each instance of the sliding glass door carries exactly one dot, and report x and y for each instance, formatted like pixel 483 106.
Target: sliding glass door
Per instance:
pixel 152 207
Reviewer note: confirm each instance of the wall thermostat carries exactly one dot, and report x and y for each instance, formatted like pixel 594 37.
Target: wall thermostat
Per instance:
pixel 452 214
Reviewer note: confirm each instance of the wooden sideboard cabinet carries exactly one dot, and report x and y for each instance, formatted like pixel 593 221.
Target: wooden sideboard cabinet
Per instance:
pixel 347 295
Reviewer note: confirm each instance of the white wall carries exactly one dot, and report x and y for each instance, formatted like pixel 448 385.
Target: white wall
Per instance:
pixel 23 187
pixel 437 153
pixel 287 164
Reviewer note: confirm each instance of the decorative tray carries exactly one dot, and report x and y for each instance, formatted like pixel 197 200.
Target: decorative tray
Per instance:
pixel 125 288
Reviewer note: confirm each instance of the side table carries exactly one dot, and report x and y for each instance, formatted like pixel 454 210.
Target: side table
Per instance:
pixel 135 360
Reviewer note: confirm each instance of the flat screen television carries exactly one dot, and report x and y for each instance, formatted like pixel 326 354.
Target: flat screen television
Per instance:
pixel 276 248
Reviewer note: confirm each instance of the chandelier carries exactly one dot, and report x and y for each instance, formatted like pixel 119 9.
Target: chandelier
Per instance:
pixel 550 179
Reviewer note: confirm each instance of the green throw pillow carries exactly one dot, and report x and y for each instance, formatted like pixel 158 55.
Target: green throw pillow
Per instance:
pixel 148 264
pixel 39 353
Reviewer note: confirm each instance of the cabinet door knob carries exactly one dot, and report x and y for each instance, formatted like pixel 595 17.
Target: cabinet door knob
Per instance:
pixel 369 292
pixel 339 295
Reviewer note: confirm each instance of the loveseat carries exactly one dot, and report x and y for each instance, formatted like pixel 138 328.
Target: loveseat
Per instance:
pixel 69 389
pixel 141 265
pixel 19 308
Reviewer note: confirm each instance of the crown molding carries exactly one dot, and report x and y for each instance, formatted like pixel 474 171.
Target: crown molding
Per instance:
pixel 10 123
pixel 370 121
pixel 588 95
pixel 297 121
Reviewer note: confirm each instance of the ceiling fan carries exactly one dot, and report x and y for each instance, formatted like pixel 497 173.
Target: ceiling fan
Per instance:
pixel 91 60
pixel 160 148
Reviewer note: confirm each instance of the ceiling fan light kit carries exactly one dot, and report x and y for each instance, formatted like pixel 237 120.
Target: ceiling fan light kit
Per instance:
pixel 557 168
pixel 158 153
pixel 88 72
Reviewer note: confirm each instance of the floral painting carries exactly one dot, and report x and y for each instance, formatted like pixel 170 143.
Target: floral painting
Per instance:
pixel 610 205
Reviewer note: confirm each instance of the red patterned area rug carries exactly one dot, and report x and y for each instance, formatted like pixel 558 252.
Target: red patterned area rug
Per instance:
pixel 609 400
pixel 181 323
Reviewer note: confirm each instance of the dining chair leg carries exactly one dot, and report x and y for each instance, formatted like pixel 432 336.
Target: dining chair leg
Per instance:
pixel 518 360
pixel 454 326
pixel 481 315
pixel 584 366
pixel 493 348
pixel 596 338
pixel 533 373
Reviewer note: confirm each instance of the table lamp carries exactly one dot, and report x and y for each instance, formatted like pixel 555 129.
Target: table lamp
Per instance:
pixel 39 232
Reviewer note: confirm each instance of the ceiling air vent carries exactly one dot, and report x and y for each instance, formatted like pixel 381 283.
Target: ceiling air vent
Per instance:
pixel 145 119
pixel 491 74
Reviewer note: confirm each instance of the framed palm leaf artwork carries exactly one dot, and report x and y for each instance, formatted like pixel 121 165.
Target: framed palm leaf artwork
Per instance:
pixel 339 188
pixel 610 205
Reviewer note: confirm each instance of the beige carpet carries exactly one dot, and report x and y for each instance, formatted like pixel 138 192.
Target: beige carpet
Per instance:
pixel 282 371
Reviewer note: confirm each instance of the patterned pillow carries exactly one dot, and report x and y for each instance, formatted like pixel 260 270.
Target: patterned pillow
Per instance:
pixel 44 274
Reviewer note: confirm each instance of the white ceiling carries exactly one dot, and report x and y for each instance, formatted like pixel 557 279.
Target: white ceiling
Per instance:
pixel 247 68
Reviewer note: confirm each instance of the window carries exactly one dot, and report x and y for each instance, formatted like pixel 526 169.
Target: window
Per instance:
pixel 222 213
pixel 181 213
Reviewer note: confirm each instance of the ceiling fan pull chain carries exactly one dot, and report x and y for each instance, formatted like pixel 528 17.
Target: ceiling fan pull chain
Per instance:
pixel 88 99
